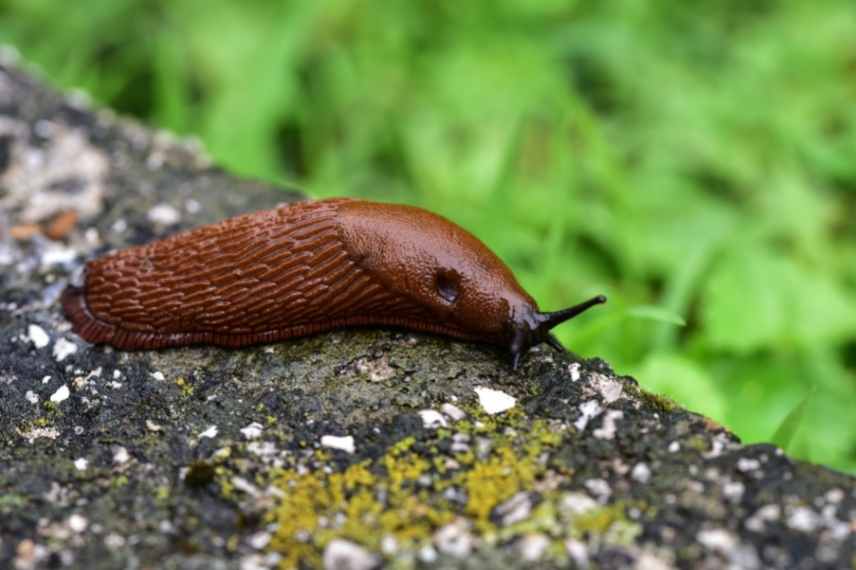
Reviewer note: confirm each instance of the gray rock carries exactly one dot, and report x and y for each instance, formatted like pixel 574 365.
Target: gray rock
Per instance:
pixel 212 458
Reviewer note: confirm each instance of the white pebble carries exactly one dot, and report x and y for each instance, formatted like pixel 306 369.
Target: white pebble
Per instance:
pixel 210 433
pixel 432 419
pixel 343 443
pixel 259 540
pixel 427 554
pixel 345 555
pixel 600 488
pixel 61 394
pixel 533 546
pixel 745 464
pixel 77 523
pixel 164 214
pixel 803 519
pixel 81 464
pixel 574 369
pixel 717 539
pixel 453 411
pixel 252 431
pixel 589 410
pixel 641 472
pixel 578 552
pixel 454 539
pixel 32 397
pixel 38 336
pixel 515 509
pixel 63 348
pixel 120 455
pixel 610 388
pixel 608 429
pixel 494 401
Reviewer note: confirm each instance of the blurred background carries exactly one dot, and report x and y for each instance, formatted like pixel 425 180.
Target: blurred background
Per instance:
pixel 694 161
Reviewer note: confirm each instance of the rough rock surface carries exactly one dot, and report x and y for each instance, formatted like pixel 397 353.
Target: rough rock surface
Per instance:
pixel 345 450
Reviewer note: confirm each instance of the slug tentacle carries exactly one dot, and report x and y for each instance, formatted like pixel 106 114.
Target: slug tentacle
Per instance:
pixel 305 268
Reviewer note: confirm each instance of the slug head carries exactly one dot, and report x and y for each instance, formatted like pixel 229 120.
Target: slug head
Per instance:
pixel 454 283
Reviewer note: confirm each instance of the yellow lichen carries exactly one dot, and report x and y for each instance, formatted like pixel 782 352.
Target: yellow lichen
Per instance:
pixel 403 495
pixel 186 387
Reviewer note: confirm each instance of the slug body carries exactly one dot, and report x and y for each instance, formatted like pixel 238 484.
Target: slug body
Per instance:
pixel 304 268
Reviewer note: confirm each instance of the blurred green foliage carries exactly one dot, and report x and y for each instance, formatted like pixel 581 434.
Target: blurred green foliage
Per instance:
pixel 694 161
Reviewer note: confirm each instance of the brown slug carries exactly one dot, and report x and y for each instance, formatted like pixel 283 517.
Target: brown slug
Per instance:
pixel 304 268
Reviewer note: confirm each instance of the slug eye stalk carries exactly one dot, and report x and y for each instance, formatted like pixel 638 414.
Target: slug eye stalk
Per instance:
pixel 536 328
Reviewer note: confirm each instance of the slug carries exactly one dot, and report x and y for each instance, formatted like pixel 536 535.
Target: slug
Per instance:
pixel 303 268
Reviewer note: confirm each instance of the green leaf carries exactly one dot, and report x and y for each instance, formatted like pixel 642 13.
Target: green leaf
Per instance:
pixel 655 313
pixel 787 429
pixel 747 299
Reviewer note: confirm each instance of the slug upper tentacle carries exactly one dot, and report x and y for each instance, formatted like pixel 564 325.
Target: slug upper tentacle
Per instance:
pixel 304 268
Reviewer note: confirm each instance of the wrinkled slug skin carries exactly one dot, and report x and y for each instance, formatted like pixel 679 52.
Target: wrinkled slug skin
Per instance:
pixel 296 270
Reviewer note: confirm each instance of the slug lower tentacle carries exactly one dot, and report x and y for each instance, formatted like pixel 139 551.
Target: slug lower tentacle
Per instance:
pixel 305 268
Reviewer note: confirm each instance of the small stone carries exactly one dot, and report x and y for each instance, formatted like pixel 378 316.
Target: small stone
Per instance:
pixel 745 464
pixel 158 376
pixel 210 433
pixel 61 394
pixel 259 540
pixel 674 447
pixel 588 410
pixel 164 214
pixel 607 431
pixel 733 490
pixel 81 464
pixel 388 545
pixel 803 519
pixel 432 419
pixel 610 389
pixel 262 448
pixel 252 431
pixel 454 539
pixel 835 495
pixel 578 552
pixel 32 397
pixel 345 555
pixel 427 554
pixel 120 455
pixel 717 539
pixel 533 546
pixel 114 541
pixel 494 401
pixel 38 336
pixel 515 509
pixel 576 503
pixel 63 349
pixel 453 411
pixel 152 426
pixel 641 472
pixel 343 443
pixel 600 488
pixel 574 370
pixel 77 523
pixel 648 561
pixel 245 486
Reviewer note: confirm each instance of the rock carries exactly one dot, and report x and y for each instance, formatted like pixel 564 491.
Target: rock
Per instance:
pixel 211 458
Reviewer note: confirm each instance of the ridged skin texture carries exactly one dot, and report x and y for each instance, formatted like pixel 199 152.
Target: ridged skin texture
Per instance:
pixel 296 270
